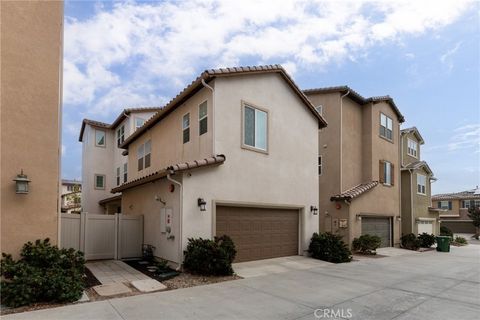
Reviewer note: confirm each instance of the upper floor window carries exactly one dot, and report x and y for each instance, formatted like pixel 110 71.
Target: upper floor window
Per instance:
pixel 202 118
pixel 118 176
pixel 125 173
pixel 412 148
pixel 186 128
pixel 386 127
pixel 139 122
pixel 100 138
pixel 144 155
pixel 69 187
pixel 99 181
pixel 386 173
pixel 320 165
pixel 421 184
pixel 255 128
pixel 120 135
pixel 319 109
pixel 477 203
pixel 466 204
pixel 446 205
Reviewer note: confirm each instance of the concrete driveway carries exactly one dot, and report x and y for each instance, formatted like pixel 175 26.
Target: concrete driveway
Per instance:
pixel 430 285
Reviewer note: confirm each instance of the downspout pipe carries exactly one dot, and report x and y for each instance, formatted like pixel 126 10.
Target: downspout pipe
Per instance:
pixel 341 139
pixel 411 198
pixel 213 112
pixel 180 218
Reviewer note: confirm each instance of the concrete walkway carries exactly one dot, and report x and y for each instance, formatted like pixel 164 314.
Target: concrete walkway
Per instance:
pixel 114 271
pixel 430 285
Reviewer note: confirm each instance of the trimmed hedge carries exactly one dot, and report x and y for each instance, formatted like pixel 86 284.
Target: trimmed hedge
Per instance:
pixel 366 244
pixel 44 273
pixel 410 242
pixel 329 247
pixel 426 240
pixel 210 257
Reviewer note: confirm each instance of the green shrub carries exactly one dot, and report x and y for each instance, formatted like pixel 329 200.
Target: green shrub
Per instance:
pixel 460 240
pixel 426 240
pixel 329 247
pixel 366 244
pixel 410 242
pixel 44 273
pixel 210 257
pixel 444 231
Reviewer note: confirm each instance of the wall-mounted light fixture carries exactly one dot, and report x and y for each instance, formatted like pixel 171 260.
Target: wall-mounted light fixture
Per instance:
pixel 359 217
pixel 21 182
pixel 399 218
pixel 202 203
pixel 314 210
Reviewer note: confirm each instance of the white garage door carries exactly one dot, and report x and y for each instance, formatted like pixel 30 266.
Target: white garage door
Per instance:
pixel 425 226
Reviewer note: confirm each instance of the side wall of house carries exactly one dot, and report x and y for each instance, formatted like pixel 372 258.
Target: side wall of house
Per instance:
pixel 31 85
pixel 406 202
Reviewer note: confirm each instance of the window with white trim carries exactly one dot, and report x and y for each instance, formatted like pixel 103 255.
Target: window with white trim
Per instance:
pixel 99 180
pixel 120 135
pixel 412 148
pixel 118 176
pixel 386 126
pixel 386 173
pixel 186 128
pixel 255 128
pixel 125 172
pixel 100 138
pixel 465 204
pixel 202 118
pixel 144 155
pixel 421 184
pixel 445 205
pixel 139 122
pixel 320 165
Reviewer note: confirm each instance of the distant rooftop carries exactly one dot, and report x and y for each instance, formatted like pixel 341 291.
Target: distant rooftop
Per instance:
pixel 468 194
pixel 69 181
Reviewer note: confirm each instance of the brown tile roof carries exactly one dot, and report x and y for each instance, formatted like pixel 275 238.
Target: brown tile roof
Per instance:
pixel 355 96
pixel 110 199
pixel 209 75
pixel 117 121
pixel 415 131
pixel 355 192
pixel 417 165
pixel 469 194
pixel 214 160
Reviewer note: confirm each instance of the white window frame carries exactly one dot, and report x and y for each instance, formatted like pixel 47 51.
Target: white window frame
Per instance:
pixel 256 109
pixel 186 127
pixel 465 202
pixel 320 165
pixel 422 187
pixel 200 118
pixel 447 207
pixel 387 125
pixel 139 118
pixel 412 148
pixel 125 172
pixel 95 181
pixel 387 173
pixel 142 154
pixel 104 145
pixel 120 135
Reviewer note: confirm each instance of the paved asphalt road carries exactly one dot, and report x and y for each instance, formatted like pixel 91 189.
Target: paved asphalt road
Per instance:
pixel 429 285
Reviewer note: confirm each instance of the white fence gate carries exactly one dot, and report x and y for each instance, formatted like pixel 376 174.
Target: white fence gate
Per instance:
pixel 102 236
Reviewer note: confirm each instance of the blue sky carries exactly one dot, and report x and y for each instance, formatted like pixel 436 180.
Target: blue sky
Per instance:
pixel 425 54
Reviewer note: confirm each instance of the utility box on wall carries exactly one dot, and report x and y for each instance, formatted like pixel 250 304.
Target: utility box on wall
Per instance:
pixel 166 216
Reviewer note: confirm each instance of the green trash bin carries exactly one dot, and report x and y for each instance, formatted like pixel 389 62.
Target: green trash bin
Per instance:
pixel 443 244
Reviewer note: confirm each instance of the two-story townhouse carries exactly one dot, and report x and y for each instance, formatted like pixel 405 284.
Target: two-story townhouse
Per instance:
pixel 103 164
pixel 71 196
pixel 454 206
pixel 418 215
pixel 358 164
pixel 230 154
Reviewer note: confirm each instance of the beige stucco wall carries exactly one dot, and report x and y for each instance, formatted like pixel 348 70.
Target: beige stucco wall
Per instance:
pixel 31 77
pixel 167 138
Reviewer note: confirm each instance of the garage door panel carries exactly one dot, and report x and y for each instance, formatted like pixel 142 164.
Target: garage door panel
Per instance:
pixel 378 226
pixel 259 233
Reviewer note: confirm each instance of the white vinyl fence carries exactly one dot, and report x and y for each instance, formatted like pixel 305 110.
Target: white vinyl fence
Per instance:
pixel 102 236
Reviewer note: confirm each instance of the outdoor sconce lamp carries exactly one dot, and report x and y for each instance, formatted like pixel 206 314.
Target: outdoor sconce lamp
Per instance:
pixel 314 210
pixel 399 218
pixel 202 203
pixel 21 182
pixel 359 217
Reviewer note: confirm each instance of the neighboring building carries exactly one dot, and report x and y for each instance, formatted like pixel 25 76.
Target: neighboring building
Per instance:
pixel 418 215
pixel 455 207
pixel 358 164
pixel 71 196
pixel 231 154
pixel 31 84
pixel 103 165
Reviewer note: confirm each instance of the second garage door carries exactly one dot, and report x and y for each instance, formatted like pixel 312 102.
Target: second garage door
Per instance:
pixel 259 233
pixel 379 227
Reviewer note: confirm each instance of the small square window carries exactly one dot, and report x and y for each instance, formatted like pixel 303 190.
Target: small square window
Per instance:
pixel 100 181
pixel 139 122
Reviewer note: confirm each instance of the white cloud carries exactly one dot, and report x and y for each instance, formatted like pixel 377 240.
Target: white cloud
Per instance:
pixel 136 51
pixel 465 137
pixel 446 57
